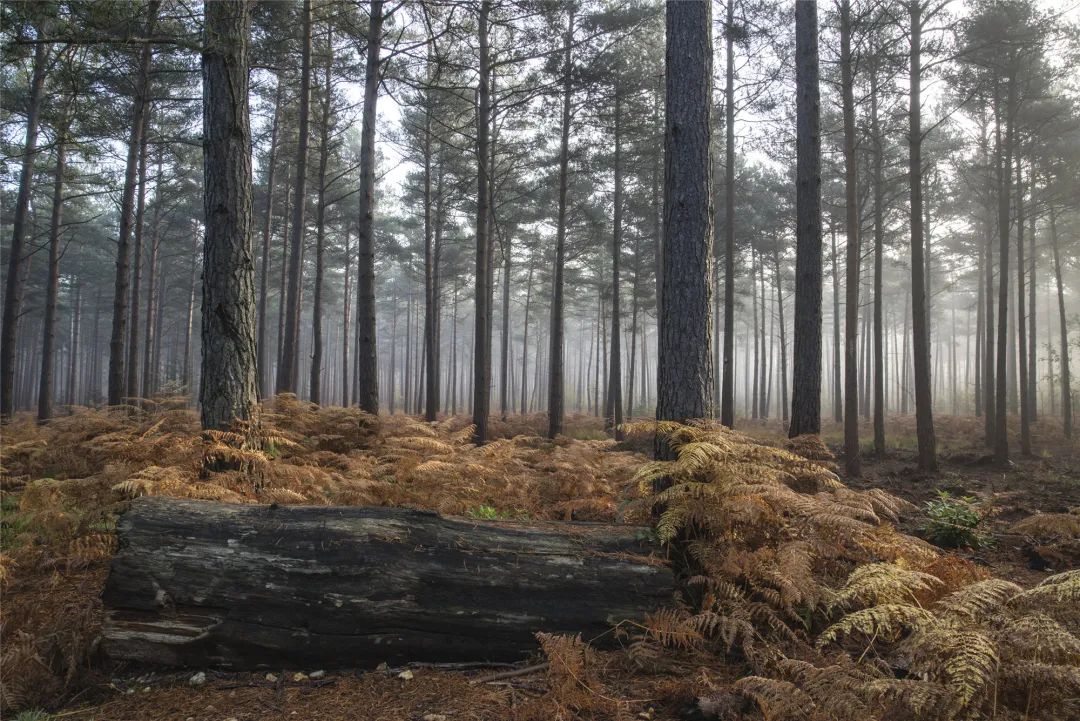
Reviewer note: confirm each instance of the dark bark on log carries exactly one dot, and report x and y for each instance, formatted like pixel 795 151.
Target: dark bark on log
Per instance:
pixel 210 584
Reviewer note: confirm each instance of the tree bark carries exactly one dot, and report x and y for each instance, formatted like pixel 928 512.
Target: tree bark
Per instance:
pixel 879 255
pixel 367 352
pixel 1004 164
pixel 613 414
pixel 117 376
pixel 1066 386
pixel 52 284
pixel 852 460
pixel 1021 319
pixel 806 380
pixel 264 278
pixel 684 364
pixel 727 391
pixel 149 380
pixel 16 279
pixel 227 390
pixel 924 414
pixel 315 384
pixel 556 390
pixel 132 365
pixel 360 586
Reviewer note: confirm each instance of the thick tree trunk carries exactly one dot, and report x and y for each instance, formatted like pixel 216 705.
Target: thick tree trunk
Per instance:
pixel 727 391
pixel 227 390
pixel 16 279
pixel 852 460
pixel 556 390
pixel 209 584
pixel 264 277
pixel 924 415
pixel 806 374
pixel 288 374
pixel 117 376
pixel 684 365
pixel 367 352
pixel 52 284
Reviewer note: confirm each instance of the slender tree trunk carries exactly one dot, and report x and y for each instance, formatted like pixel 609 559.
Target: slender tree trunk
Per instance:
pixel 1066 386
pixel 367 355
pixel 190 320
pixel 525 344
pixel 284 278
pixel 16 279
pixel 1004 155
pixel 137 266
pixel 149 385
pixel 345 304
pixel 264 278
pixel 315 391
pixel 852 460
pixel 727 392
pixel 73 368
pixel 783 336
pixel 806 386
pixel 684 368
pixel 613 414
pixel 555 379
pixel 431 340
pixel 879 254
pixel 1033 375
pixel 504 397
pixel 227 391
pixel 52 284
pixel 754 331
pixel 141 106
pixel 1021 319
pixel 924 415
pixel 288 374
pixel 979 330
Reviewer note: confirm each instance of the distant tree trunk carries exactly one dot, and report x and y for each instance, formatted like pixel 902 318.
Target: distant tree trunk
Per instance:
pixel 264 278
pixel 117 376
pixel 525 344
pixel 227 391
pixel 367 354
pixel 73 368
pixel 149 384
pixel 1004 164
pixel 684 366
pixel 284 278
pixel 1066 386
pixel 288 372
pixel 555 379
pixel 924 414
pixel 345 303
pixel 16 279
pixel 806 380
pixel 852 461
pixel 137 266
pixel 1033 375
pixel 635 294
pixel 613 414
pixel 727 392
pixel 1021 319
pixel 879 255
pixel 52 285
pixel 190 319
pixel 754 331
pixel 431 292
pixel 783 336
pixel 504 394
pixel 838 395
pixel 315 386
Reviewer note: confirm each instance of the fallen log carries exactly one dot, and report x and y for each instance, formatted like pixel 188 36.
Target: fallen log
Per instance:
pixel 197 583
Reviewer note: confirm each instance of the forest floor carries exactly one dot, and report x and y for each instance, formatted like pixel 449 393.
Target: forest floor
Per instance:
pixel 63 484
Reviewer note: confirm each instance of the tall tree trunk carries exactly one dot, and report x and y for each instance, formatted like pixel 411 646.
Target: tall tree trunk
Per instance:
pixel 190 317
pixel 1066 386
pixel 879 254
pixel 806 374
pixel 52 284
pixel 367 354
pixel 555 379
pixel 783 336
pixel 684 367
pixel 227 391
pixel 1004 161
pixel 1021 319
pixel 1033 375
pixel 141 105
pixel 852 460
pixel 525 343
pixel 431 338
pixel 504 394
pixel 613 414
pixel 315 386
pixel 16 279
pixel 754 331
pixel 924 414
pixel 149 385
pixel 264 278
pixel 345 304
pixel 73 367
pixel 132 382
pixel 288 373
pixel 284 277
pixel 727 392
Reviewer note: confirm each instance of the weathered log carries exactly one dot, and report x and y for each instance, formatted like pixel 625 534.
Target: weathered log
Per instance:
pixel 196 583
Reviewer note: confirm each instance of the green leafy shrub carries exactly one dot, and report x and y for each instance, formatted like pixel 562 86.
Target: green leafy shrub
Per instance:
pixel 955 522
